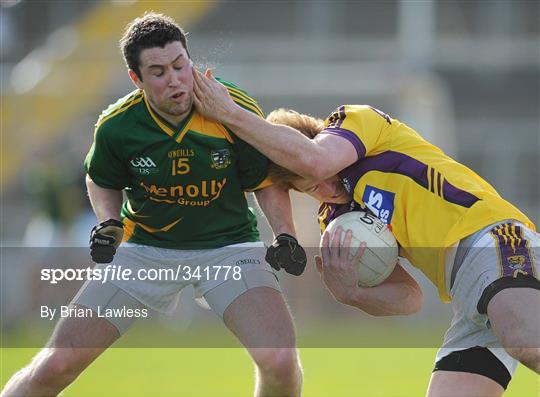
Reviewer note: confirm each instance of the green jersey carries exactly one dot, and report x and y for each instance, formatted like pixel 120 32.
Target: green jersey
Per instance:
pixel 185 185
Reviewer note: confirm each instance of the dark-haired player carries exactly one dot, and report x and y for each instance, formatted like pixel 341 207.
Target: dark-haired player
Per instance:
pixel 184 177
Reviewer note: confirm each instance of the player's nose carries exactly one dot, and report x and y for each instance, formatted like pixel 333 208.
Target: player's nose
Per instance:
pixel 175 78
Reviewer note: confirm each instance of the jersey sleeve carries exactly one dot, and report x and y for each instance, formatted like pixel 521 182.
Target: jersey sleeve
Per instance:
pixel 365 127
pixel 252 165
pixel 241 98
pixel 103 163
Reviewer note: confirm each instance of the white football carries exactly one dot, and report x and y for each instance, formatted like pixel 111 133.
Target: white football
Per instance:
pixel 381 254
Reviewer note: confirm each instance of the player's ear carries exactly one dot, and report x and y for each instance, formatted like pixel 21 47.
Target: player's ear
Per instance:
pixel 135 79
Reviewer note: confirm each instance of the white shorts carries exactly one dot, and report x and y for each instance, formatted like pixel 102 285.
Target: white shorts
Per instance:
pixel 490 258
pixel 157 275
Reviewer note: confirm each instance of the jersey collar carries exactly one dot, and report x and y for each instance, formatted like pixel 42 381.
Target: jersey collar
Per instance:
pixel 176 133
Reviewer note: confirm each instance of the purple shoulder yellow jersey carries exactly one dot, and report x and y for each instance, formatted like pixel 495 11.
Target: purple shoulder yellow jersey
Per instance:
pixel 429 200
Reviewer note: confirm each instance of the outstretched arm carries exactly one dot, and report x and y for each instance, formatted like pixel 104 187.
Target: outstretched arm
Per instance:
pixel 285 146
pixel 399 294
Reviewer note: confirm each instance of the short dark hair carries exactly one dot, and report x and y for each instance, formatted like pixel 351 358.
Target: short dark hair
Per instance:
pixel 148 31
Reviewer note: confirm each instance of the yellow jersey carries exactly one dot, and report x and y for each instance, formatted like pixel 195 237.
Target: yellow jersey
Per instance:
pixel 429 200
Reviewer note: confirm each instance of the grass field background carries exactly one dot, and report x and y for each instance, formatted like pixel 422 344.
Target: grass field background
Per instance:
pixel 332 372
pixel 202 360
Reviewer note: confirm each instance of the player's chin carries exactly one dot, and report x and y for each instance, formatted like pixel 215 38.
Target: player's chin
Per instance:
pixel 345 199
pixel 186 105
pixel 338 200
pixel 181 108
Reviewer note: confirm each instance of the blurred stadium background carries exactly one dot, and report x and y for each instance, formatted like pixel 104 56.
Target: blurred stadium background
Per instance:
pixel 465 74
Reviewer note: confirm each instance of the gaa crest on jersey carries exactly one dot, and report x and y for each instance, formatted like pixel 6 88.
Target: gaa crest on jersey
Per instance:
pixel 144 165
pixel 380 202
pixel 220 158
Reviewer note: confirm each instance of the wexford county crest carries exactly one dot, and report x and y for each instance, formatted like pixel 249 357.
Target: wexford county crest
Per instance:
pixel 220 158
pixel 516 261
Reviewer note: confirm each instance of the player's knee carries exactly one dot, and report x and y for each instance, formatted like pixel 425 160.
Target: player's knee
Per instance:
pixel 278 363
pixel 59 366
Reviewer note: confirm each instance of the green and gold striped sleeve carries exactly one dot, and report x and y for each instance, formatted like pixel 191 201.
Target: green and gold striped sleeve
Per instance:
pixel 242 98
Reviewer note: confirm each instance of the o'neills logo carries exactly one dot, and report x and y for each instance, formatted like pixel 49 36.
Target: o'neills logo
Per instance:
pixel 248 261
pixel 181 153
pixel 200 194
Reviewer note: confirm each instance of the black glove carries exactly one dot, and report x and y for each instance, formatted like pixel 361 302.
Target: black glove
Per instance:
pixel 286 253
pixel 104 239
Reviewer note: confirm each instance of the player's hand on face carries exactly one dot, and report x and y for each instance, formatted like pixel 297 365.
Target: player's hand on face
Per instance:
pixel 104 239
pixel 211 98
pixel 337 270
pixel 285 253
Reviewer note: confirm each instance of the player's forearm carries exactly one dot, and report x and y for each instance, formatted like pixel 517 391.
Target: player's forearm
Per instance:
pixel 386 300
pixel 106 203
pixel 282 144
pixel 276 206
pixel 399 294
